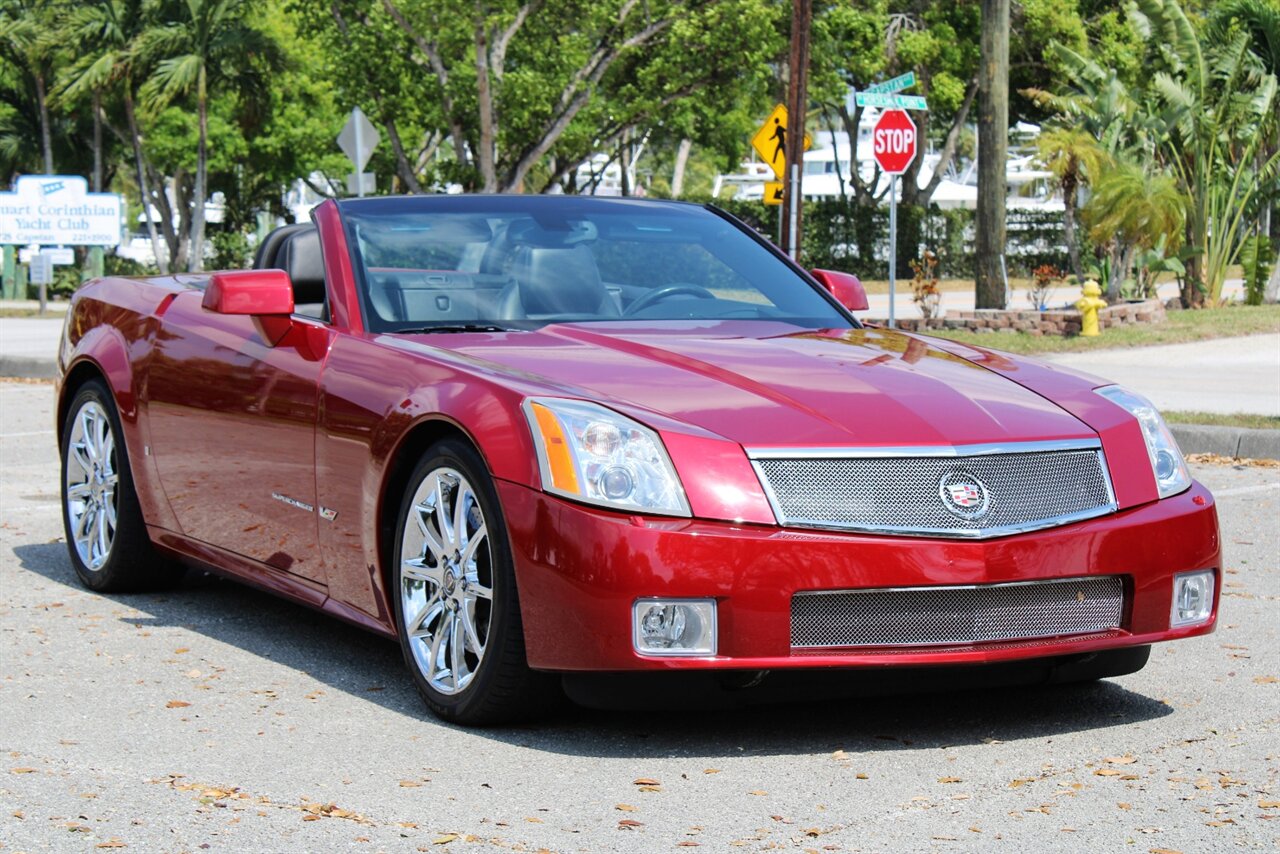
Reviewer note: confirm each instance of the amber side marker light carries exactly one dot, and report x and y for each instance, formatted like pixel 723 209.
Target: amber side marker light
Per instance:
pixel 559 456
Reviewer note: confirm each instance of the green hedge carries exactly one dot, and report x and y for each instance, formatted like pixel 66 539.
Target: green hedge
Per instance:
pixel 855 238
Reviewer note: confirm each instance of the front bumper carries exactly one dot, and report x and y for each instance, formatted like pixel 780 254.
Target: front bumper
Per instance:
pixel 579 569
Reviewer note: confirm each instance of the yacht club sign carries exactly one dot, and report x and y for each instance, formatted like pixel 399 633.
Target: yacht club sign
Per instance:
pixel 59 210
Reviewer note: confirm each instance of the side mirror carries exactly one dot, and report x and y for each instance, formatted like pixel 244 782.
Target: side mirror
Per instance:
pixel 257 292
pixel 845 287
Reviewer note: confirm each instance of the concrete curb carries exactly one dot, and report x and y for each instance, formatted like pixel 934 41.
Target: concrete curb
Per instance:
pixel 28 367
pixel 1227 441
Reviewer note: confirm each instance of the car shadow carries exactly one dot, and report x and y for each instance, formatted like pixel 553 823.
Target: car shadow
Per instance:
pixel 362 664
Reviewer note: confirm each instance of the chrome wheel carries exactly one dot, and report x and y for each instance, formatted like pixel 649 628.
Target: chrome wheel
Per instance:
pixel 446 580
pixel 91 480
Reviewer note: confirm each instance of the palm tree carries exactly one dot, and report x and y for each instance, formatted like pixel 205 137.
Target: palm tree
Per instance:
pixel 206 44
pixel 1074 157
pixel 1132 210
pixel 1212 100
pixel 105 33
pixel 29 40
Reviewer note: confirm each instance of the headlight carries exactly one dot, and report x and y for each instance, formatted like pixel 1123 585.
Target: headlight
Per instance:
pixel 594 454
pixel 1167 464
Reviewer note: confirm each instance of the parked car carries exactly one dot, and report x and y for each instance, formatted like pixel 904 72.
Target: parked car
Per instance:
pixel 543 441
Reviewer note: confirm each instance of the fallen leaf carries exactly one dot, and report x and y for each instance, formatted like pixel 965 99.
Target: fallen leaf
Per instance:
pixel 688 843
pixel 1269 805
pixel 650 789
pixel 1163 851
pixel 1021 781
pixel 862 776
pixel 1121 760
pixel 711 771
pixel 1107 772
pixel 533 819
pixel 646 781
pixel 176 704
pixel 180 650
pixel 1265 680
pixel 111 843
pixel 1122 805
pixel 310 817
pixel 624 807
pixel 949 780
pixel 757 792
pixel 945 838
pixel 630 822
pixel 445 839
pixel 409 784
pixel 23 771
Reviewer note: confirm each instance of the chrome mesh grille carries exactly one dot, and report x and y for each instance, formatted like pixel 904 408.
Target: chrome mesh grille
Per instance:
pixel 902 494
pixel 923 616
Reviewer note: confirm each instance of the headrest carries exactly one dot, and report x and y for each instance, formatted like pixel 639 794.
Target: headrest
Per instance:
pixel 558 281
pixel 300 257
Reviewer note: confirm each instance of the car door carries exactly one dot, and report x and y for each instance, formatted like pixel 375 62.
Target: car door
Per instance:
pixel 233 423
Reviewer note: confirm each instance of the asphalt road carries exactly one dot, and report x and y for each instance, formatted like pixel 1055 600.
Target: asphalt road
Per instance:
pixel 211 717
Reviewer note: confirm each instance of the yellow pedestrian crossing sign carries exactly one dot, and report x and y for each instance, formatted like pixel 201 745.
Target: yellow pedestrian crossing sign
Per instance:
pixel 770 142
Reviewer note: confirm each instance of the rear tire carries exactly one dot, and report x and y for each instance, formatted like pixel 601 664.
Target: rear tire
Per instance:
pixel 106 535
pixel 454 588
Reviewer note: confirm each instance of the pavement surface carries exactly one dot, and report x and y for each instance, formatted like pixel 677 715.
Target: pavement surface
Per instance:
pixel 212 717
pixel 1226 375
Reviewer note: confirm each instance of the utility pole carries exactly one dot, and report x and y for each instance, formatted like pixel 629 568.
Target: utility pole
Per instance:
pixel 797 104
pixel 993 148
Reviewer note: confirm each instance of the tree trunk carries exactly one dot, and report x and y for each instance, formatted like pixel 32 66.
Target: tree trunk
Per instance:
pixel 993 143
pixel 46 142
pixel 97 141
pixel 484 96
pixel 403 167
pixel 1069 184
pixel 682 161
pixel 144 186
pixel 624 164
pixel 797 107
pixel 196 260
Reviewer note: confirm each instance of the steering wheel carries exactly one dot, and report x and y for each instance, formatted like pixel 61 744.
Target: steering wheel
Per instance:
pixel 659 294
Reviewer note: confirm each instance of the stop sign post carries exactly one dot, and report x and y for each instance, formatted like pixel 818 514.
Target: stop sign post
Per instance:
pixel 894 147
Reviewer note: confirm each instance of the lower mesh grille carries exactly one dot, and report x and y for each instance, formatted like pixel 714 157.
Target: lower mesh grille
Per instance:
pixel 924 616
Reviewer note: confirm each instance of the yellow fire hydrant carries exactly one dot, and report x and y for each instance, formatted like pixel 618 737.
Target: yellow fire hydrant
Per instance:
pixel 1088 305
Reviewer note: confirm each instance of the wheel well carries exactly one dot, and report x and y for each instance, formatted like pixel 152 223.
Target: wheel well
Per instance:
pixel 81 373
pixel 421 437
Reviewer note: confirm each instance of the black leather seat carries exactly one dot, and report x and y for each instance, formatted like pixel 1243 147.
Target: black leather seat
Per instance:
pixel 296 250
pixel 555 281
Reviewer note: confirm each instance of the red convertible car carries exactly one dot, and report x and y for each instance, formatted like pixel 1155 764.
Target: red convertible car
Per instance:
pixel 541 439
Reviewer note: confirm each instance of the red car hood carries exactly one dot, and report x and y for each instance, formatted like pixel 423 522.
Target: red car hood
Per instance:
pixel 771 385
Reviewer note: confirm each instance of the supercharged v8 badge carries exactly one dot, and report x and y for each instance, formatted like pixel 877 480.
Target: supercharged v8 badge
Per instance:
pixel 964 495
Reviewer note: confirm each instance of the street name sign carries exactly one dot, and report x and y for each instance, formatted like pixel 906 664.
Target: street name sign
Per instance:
pixel 897 84
pixel 770 142
pixel 59 210
pixel 890 101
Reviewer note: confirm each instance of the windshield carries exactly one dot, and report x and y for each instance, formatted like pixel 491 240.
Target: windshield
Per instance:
pixel 525 261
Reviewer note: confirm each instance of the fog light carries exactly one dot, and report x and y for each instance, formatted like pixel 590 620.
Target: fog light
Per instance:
pixel 674 626
pixel 1192 598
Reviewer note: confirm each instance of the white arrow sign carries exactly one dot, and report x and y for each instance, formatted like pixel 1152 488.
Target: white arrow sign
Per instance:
pixel 359 138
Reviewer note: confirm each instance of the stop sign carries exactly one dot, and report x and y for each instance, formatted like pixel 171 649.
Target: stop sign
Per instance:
pixel 894 141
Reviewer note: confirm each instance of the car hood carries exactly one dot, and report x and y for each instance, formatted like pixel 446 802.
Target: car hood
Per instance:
pixel 770 384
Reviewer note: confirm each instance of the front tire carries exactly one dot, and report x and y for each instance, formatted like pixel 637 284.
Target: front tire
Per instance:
pixel 106 535
pixel 457 610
